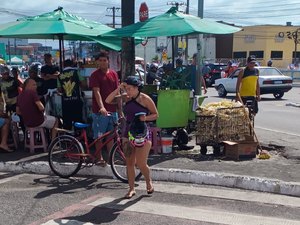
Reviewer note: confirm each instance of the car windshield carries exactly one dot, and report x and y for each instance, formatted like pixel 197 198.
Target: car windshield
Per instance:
pixel 269 72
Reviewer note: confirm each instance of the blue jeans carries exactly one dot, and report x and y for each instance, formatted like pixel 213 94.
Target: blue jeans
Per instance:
pixel 102 124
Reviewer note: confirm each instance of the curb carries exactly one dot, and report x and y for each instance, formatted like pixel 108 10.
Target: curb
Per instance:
pixel 174 175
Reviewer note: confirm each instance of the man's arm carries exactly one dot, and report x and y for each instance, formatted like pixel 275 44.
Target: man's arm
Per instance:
pixel 40 106
pixel 258 89
pixel 47 76
pixel 238 84
pixel 96 92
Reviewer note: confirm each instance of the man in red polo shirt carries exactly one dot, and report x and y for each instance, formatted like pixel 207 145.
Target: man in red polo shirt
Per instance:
pixel 103 81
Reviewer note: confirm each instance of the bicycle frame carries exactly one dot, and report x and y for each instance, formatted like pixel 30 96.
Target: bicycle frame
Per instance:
pixel 108 136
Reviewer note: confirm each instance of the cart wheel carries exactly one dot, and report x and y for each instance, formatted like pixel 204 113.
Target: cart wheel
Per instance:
pixel 203 149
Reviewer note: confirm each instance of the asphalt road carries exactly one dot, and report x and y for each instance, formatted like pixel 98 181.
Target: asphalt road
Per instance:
pixel 38 199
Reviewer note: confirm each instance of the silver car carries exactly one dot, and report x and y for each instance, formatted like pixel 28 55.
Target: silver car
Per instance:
pixel 271 81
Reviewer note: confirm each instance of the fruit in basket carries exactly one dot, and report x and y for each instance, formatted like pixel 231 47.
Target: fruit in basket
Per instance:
pixel 220 121
pixel 210 109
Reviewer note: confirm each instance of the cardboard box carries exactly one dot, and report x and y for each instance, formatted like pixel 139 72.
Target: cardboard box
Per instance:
pixel 237 150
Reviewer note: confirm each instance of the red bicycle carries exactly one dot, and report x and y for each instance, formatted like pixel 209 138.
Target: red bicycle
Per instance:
pixel 68 154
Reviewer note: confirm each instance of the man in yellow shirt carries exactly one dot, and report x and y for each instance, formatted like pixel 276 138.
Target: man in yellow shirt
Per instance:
pixel 247 85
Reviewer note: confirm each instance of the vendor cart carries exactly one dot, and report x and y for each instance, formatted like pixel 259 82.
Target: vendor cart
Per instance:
pixel 225 124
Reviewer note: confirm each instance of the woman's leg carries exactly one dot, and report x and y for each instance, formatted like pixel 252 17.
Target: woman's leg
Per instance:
pixel 141 161
pixel 130 167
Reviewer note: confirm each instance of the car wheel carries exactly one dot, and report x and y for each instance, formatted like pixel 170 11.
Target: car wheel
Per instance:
pixel 278 95
pixel 221 91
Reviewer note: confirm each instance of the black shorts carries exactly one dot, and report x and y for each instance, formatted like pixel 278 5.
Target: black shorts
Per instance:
pixel 250 101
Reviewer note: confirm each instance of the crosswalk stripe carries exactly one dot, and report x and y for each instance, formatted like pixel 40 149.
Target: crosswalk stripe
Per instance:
pixel 8 179
pixel 64 221
pixel 183 212
pixel 225 193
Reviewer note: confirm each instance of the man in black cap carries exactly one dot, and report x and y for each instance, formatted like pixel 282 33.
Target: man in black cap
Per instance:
pixel 247 85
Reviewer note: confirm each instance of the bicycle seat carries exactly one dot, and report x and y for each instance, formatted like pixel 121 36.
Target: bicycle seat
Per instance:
pixel 81 125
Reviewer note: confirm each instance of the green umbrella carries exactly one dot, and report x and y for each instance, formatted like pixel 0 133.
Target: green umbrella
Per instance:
pixel 60 25
pixel 52 25
pixel 173 23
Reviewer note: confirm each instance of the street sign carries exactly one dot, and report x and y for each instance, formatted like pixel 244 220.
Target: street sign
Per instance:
pixel 144 12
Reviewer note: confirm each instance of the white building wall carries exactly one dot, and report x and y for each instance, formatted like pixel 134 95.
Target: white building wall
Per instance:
pixel 208 45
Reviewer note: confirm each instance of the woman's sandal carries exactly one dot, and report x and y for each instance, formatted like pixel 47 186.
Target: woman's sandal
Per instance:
pixel 150 191
pixel 130 194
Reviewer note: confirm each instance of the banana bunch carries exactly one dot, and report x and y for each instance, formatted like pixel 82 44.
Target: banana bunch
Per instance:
pixel 264 155
pixel 68 87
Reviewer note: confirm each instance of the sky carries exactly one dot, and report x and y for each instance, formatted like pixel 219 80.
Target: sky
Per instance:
pixel 241 13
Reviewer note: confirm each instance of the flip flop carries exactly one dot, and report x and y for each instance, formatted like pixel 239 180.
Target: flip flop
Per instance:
pixel 130 194
pixel 150 191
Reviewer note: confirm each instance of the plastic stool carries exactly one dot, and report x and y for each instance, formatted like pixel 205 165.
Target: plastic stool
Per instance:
pixel 35 138
pixel 156 140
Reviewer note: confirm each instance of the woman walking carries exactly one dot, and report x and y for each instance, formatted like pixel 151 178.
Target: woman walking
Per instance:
pixel 137 106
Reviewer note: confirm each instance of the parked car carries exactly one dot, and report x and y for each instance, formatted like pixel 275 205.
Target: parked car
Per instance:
pixel 215 73
pixel 271 81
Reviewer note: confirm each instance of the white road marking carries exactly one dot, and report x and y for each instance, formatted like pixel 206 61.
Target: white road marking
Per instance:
pixel 64 221
pixel 277 131
pixel 194 213
pixel 224 193
pixel 8 179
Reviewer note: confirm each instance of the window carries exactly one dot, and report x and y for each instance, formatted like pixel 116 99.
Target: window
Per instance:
pixel 257 54
pixel 239 55
pixel 297 55
pixel 276 54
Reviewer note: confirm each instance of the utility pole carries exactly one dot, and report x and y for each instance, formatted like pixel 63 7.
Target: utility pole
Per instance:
pixel 128 47
pixel 113 10
pixel 199 53
pixel 175 39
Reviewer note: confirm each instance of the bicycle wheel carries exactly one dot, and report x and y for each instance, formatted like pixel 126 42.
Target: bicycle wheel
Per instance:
pixel 64 156
pixel 118 164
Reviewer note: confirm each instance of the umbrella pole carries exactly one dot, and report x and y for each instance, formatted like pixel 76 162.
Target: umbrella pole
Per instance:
pixel 173 52
pixel 63 50
pixel 60 53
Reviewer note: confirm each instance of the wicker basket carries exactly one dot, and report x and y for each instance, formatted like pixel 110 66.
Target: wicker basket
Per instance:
pixel 229 124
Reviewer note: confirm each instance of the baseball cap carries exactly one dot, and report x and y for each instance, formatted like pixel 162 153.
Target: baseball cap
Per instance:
pixel 134 81
pixel 251 59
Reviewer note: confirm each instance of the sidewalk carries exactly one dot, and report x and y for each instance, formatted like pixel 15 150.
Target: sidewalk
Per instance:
pixel 276 175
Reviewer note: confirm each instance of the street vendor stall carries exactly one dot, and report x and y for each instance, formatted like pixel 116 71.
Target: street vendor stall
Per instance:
pixel 217 122
pixel 174 103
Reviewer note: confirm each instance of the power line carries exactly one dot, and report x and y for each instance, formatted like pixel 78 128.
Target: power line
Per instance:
pixel 113 10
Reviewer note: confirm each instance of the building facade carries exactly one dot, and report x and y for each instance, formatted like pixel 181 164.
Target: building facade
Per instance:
pixel 268 42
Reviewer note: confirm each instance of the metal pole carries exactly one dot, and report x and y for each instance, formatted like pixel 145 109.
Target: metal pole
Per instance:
pixel 187 37
pixel 296 42
pixel 114 16
pixel 9 52
pixel 199 65
pixel 128 47
pixel 173 52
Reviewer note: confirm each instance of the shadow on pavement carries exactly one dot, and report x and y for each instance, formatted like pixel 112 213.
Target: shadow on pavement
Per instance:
pixel 105 213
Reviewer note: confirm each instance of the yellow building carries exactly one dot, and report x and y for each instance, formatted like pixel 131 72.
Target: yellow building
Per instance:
pixel 267 42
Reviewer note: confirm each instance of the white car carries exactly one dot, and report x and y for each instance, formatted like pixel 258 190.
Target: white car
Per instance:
pixel 271 81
